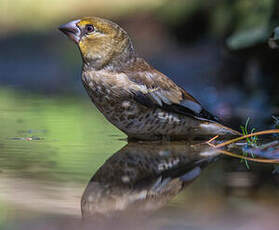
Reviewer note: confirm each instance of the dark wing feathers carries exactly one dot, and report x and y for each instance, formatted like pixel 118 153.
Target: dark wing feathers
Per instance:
pixel 144 99
pixel 159 91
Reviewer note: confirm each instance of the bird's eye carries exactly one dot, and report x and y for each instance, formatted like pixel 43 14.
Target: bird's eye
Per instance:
pixel 89 28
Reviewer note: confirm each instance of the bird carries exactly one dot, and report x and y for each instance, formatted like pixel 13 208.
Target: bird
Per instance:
pixel 135 97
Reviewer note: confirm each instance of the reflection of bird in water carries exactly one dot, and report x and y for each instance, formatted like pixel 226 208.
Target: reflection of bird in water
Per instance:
pixel 132 95
pixel 143 177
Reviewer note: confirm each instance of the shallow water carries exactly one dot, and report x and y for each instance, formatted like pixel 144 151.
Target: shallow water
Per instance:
pixel 63 166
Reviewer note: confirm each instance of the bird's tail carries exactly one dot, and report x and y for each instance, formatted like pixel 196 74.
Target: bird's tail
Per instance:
pixel 215 128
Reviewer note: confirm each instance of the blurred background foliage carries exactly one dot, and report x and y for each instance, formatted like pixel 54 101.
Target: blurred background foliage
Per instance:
pixel 222 16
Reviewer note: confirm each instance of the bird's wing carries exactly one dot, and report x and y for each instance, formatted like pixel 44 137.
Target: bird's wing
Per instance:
pixel 153 89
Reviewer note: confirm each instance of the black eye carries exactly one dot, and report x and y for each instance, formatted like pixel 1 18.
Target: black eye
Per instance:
pixel 89 28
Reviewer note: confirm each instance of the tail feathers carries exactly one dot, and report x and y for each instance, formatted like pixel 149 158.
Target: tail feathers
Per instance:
pixel 214 128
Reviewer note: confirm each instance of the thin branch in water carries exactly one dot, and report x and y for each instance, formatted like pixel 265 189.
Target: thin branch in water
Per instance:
pixel 261 160
pixel 212 139
pixel 245 136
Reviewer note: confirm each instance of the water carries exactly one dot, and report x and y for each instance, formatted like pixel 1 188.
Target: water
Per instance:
pixel 46 142
pixel 63 166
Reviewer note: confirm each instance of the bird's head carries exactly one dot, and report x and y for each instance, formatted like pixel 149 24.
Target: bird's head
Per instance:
pixel 101 42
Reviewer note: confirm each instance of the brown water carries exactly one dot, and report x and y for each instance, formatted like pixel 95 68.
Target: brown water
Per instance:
pixel 63 166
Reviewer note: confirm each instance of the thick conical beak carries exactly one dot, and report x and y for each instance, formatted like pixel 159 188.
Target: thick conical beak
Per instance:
pixel 71 30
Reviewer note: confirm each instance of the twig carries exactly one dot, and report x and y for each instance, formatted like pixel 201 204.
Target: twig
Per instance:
pixel 261 160
pixel 244 137
pixel 212 139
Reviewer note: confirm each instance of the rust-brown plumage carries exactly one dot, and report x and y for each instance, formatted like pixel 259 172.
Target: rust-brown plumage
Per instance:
pixel 132 95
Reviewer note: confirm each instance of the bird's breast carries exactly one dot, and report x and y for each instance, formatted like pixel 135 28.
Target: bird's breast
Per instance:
pixel 111 97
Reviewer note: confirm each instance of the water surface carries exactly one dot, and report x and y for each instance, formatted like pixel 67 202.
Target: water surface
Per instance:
pixel 63 166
